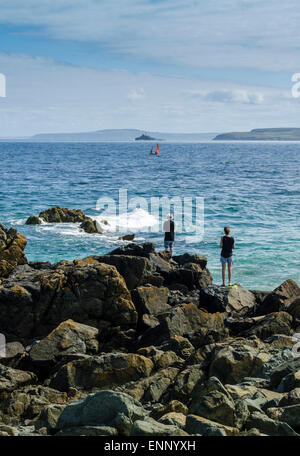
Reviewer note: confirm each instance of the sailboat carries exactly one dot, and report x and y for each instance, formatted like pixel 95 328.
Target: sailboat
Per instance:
pixel 157 150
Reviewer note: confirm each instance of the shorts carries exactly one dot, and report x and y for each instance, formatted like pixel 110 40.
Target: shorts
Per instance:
pixel 226 260
pixel 168 244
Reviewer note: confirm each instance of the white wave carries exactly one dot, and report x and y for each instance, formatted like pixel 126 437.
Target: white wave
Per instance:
pixel 137 220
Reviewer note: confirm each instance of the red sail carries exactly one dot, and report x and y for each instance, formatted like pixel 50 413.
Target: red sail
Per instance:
pixel 157 149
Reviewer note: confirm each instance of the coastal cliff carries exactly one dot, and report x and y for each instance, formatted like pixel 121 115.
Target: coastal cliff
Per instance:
pixel 135 343
pixel 262 134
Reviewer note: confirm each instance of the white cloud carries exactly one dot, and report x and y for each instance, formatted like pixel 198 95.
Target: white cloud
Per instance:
pixel 260 34
pixel 229 96
pixel 136 94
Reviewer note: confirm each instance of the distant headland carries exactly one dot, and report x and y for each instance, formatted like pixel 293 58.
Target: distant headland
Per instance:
pixel 262 134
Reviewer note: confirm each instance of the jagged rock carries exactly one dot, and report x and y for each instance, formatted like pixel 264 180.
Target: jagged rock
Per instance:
pixel 134 249
pixel 190 275
pixel 68 338
pixel 230 300
pixel 274 323
pixel 154 388
pixel 291 398
pixel 150 300
pixel 127 237
pixel 161 359
pixel 99 372
pixel 289 415
pixel 294 309
pixel 191 258
pixel 184 320
pixel 10 378
pixel 180 345
pixel 91 226
pixel 171 407
pixel 268 426
pixel 151 427
pixel 62 215
pixel 116 339
pixel 12 250
pixel 6 431
pixel 33 220
pixel 186 381
pixel 280 298
pixel 290 382
pixel 202 426
pixel 238 359
pixel 102 408
pixel 145 322
pixel 160 263
pixel 13 353
pixel 212 401
pixel 135 270
pixel 33 303
pixel 29 402
pixel 173 419
pixel 284 369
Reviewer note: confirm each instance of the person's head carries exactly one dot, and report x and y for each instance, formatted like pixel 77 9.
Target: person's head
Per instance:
pixel 227 230
pixel 170 217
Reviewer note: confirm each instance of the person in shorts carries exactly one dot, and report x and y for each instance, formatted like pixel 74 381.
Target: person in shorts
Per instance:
pixel 169 229
pixel 226 244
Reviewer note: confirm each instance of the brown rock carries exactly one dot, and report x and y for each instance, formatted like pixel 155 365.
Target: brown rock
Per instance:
pixel 280 298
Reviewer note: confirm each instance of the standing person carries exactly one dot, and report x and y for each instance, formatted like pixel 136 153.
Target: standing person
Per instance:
pixel 226 244
pixel 169 229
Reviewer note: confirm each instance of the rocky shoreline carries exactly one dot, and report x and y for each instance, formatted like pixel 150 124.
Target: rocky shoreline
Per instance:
pixel 135 343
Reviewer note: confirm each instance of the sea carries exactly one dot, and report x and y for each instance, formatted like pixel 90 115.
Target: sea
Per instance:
pixel 252 187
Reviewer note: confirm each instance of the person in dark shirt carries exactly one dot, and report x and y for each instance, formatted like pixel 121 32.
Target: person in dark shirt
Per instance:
pixel 226 244
pixel 169 229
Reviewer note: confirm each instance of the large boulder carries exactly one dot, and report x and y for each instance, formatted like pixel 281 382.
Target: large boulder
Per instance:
pixel 274 323
pixel 150 300
pixel 99 372
pixel 109 408
pixel 12 250
pixel 68 338
pixel 231 300
pixel 34 302
pixel 191 275
pixel 62 215
pixel 280 298
pixel 135 270
pixel 10 378
pixel 188 321
pixel 269 426
pixel 236 359
pixel 28 402
pixel 135 249
pixel 186 258
pixel 212 401
pixel 201 426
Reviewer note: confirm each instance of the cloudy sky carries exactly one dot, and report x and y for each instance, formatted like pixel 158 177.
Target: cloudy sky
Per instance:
pixel 164 65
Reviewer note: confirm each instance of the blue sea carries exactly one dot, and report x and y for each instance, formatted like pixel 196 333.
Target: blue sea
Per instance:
pixel 252 187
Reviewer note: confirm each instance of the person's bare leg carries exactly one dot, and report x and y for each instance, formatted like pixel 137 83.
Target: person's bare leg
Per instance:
pixel 223 273
pixel 171 251
pixel 229 273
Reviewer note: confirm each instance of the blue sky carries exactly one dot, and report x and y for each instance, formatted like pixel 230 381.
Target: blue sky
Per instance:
pixel 168 65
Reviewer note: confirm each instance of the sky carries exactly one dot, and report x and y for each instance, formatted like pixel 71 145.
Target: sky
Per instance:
pixel 156 65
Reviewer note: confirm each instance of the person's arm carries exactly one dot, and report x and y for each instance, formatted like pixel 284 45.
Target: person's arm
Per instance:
pixel 233 244
pixel 221 243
